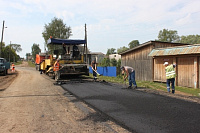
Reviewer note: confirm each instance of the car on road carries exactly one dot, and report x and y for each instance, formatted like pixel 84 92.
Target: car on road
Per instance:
pixel 4 66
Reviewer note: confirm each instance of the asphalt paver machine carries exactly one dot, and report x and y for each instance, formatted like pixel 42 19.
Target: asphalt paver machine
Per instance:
pixel 72 55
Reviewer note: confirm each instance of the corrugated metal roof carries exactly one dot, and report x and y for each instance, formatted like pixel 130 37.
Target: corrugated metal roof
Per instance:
pixel 147 43
pixel 189 49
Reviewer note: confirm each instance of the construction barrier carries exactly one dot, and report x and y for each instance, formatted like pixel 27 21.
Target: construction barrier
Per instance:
pixel 110 71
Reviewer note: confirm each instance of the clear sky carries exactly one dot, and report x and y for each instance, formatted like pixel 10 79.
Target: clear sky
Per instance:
pixel 110 23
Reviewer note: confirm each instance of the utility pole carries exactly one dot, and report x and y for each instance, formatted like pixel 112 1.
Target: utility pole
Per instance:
pixel 86 44
pixel 2 39
pixel 9 51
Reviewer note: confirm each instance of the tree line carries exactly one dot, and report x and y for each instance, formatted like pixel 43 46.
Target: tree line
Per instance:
pixel 9 52
pixel 164 35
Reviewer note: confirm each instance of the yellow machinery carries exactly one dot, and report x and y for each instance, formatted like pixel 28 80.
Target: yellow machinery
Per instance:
pixel 72 55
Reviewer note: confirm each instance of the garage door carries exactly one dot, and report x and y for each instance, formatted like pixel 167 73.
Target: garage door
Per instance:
pixel 186 71
pixel 159 69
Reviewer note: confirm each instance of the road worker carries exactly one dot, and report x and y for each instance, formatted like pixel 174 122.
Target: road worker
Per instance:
pixel 170 76
pixel 13 67
pixel 129 73
pixel 56 65
pixel 94 68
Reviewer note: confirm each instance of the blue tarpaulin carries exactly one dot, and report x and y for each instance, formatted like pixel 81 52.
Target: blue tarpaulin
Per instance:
pixel 65 41
pixel 110 71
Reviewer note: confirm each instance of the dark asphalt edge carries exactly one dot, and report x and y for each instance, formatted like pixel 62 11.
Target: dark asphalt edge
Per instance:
pixel 192 99
pixel 85 110
pixel 104 114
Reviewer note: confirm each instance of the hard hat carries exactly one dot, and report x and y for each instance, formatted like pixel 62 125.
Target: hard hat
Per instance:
pixel 166 63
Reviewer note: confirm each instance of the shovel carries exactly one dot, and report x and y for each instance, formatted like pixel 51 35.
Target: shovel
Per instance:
pixel 96 72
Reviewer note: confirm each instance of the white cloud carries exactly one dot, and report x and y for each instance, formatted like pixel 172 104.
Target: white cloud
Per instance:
pixel 110 23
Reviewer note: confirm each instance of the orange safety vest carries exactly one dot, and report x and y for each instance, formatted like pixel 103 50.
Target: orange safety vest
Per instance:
pixel 13 66
pixel 56 66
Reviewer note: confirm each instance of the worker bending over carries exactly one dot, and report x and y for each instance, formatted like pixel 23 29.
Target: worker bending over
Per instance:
pixel 170 76
pixel 130 74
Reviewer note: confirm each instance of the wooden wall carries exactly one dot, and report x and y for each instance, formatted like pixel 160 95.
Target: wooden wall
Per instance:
pixel 198 71
pixel 164 45
pixel 141 62
pixel 159 68
pixel 187 70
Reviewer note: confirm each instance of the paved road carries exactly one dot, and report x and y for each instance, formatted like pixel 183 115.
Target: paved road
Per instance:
pixel 139 111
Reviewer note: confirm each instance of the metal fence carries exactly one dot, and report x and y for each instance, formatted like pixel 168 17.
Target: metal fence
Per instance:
pixel 110 71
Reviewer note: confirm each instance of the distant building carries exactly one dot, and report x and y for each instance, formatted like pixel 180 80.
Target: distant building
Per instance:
pixel 28 56
pixel 98 56
pixel 115 56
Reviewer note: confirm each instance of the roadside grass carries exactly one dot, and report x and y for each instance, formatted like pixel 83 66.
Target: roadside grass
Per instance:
pixel 151 85
pixel 18 63
pixel 31 64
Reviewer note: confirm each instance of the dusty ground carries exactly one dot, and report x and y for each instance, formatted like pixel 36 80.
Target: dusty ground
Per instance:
pixel 31 103
pixel 7 80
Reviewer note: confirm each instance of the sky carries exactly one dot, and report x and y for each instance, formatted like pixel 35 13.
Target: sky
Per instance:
pixel 110 23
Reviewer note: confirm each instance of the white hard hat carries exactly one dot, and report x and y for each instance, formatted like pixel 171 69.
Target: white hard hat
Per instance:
pixel 166 63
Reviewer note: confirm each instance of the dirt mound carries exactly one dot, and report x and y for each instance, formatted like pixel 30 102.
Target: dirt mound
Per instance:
pixel 5 81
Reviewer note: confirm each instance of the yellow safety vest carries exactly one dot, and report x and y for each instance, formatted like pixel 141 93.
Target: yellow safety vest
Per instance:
pixel 170 72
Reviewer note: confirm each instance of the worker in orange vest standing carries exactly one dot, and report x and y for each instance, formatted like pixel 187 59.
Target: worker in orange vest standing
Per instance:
pixel 56 65
pixel 13 67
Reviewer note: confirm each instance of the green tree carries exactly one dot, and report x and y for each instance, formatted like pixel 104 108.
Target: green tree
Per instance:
pixel 119 63
pixel 27 56
pixel 111 51
pixel 35 50
pixel 105 62
pixel 10 54
pixel 16 47
pixel 113 62
pixel 190 39
pixel 166 35
pixel 133 43
pixel 122 49
pixel 56 29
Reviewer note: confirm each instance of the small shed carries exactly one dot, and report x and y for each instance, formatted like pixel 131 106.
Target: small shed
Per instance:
pixel 138 58
pixel 115 56
pixel 187 59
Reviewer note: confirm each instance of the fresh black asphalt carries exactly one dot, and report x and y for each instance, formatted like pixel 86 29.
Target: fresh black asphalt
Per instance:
pixel 137 110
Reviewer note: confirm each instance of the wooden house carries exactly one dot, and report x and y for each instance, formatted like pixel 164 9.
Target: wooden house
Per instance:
pixel 138 58
pixel 187 59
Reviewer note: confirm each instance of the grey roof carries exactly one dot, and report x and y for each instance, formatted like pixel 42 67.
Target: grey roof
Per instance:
pixel 179 50
pixel 147 43
pixel 97 53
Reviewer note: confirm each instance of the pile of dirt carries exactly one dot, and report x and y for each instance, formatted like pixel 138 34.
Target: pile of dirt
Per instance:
pixel 7 80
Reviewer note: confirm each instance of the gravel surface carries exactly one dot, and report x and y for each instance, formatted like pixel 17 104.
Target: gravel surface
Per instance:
pixel 32 103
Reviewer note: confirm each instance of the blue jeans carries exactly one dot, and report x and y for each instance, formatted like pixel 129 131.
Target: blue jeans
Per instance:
pixel 131 79
pixel 172 81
